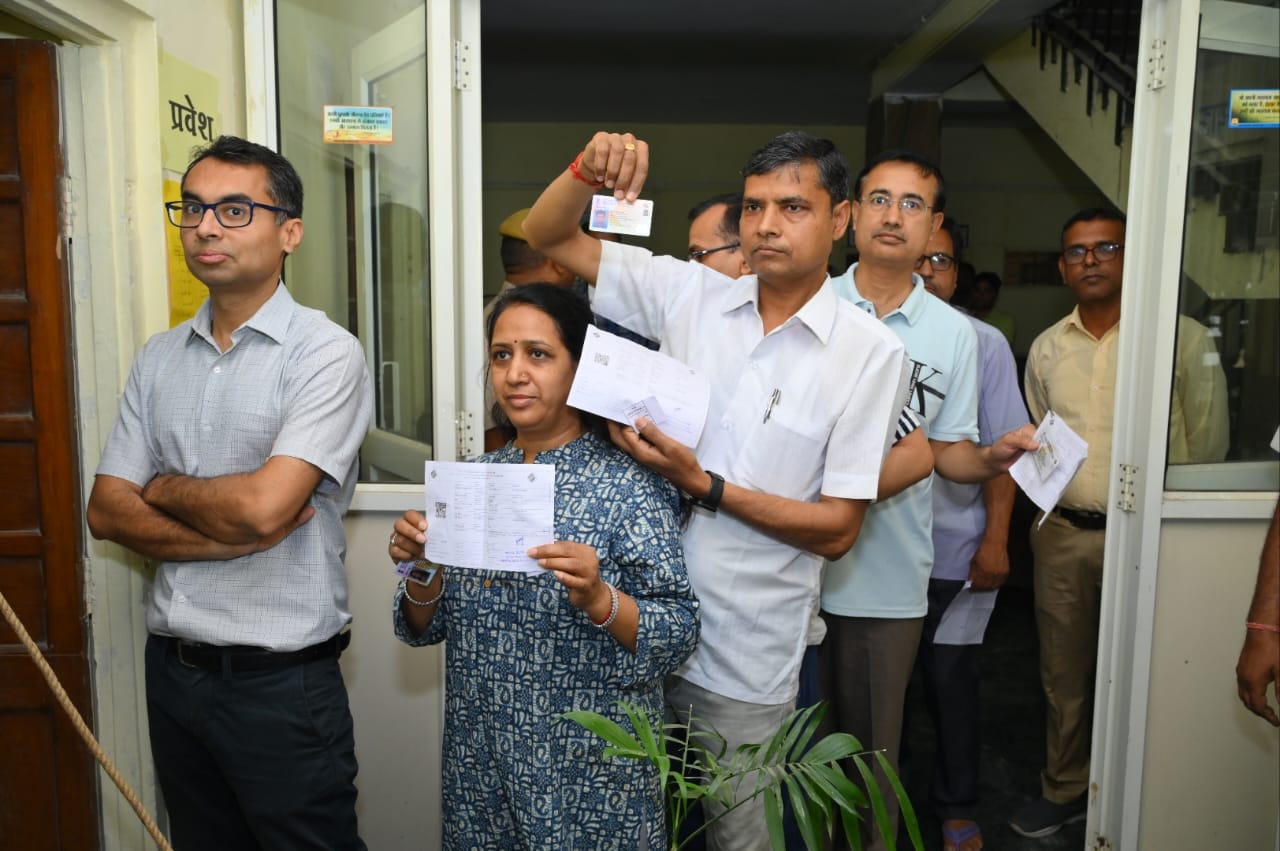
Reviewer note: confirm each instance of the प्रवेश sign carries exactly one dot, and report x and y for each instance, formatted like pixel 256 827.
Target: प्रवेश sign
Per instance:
pixel 357 125
pixel 188 111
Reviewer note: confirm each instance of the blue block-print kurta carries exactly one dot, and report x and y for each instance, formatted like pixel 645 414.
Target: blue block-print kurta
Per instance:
pixel 518 655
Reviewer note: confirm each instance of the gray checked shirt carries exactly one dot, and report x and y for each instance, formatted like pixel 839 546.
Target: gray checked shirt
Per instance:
pixel 292 383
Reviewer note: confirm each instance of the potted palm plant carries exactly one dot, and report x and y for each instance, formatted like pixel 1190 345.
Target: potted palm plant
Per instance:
pixel 693 767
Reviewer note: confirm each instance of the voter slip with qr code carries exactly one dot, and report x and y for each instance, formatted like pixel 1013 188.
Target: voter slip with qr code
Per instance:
pixel 487 516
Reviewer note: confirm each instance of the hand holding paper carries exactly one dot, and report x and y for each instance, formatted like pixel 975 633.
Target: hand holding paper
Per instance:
pixel 1045 473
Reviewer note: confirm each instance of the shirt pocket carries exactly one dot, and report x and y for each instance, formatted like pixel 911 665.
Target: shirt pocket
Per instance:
pixel 784 457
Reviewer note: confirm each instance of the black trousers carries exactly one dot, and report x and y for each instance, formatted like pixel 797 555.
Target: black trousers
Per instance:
pixel 951 676
pixel 259 760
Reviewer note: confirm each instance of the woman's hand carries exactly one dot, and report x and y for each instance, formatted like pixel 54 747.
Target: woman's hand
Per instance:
pixel 578 568
pixel 408 537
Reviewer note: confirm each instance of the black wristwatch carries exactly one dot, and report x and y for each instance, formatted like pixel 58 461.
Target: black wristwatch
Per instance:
pixel 711 502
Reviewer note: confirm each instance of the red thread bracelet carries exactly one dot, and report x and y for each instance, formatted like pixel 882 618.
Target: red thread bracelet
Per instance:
pixel 1265 627
pixel 573 169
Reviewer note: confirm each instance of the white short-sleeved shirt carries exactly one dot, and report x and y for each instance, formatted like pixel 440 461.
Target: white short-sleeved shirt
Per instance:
pixel 293 383
pixel 840 381
pixel 886 574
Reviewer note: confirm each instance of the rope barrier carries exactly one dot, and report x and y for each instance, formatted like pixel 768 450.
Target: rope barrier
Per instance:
pixel 83 729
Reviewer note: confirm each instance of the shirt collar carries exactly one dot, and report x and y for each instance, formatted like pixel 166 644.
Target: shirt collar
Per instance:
pixel 911 309
pixel 272 319
pixel 818 314
pixel 1074 321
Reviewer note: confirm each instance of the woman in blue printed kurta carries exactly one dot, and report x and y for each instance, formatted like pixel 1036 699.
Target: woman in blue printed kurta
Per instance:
pixel 522 649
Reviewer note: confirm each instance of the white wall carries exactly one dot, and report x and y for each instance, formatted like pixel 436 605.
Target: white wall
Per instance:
pixel 1211 777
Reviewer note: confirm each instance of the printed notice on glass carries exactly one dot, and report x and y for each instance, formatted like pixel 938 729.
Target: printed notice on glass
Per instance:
pixel 623 381
pixel 487 516
pixel 1044 474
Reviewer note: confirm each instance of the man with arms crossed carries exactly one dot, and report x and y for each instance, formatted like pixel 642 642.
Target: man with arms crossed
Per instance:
pixel 804 390
pixel 970 542
pixel 231 464
pixel 874 598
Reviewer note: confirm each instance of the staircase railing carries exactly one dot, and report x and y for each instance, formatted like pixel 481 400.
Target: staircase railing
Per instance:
pixel 1094 42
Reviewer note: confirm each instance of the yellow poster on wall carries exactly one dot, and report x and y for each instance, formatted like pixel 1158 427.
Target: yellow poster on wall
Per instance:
pixel 188 111
pixel 185 292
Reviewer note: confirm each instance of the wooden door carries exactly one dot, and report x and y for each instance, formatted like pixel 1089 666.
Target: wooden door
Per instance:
pixel 48 797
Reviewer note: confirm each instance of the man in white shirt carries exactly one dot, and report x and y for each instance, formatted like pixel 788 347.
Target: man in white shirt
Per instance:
pixel 804 392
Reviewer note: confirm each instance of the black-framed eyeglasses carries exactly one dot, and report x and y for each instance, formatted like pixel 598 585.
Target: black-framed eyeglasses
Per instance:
pixel 909 206
pixel 698 255
pixel 1074 255
pixel 230 214
pixel 939 260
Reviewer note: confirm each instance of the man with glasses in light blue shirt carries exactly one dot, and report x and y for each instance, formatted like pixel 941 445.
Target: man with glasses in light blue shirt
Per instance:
pixel 874 597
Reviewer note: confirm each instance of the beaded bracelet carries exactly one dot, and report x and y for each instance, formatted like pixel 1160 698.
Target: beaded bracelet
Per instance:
pixel 1266 627
pixel 613 610
pixel 422 603
pixel 573 168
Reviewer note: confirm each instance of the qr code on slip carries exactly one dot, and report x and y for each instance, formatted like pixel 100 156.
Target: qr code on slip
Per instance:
pixel 602 359
pixel 442 510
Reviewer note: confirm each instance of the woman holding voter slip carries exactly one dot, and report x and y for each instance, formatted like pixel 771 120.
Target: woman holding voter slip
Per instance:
pixel 605 614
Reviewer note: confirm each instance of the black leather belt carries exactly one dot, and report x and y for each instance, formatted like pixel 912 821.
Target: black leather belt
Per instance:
pixel 1095 520
pixel 238 658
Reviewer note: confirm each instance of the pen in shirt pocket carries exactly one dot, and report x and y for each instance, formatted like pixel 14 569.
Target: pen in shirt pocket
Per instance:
pixel 774 399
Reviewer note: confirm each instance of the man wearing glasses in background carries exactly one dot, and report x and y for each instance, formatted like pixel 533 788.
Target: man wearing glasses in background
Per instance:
pixel 231 464
pixel 970 544
pixel 1071 370
pixel 874 598
pixel 713 235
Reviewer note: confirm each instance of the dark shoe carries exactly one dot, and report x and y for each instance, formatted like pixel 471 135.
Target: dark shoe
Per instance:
pixel 1042 817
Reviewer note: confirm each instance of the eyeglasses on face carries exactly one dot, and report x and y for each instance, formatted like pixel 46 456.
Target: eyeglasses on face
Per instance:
pixel 939 260
pixel 698 255
pixel 1102 252
pixel 880 202
pixel 230 214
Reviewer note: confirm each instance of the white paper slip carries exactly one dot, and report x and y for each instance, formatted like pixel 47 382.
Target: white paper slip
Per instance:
pixel 1045 473
pixel 621 381
pixel 487 516
pixel 630 218
pixel 965 620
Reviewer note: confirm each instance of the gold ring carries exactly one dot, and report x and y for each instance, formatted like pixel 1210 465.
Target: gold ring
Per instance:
pixel 630 146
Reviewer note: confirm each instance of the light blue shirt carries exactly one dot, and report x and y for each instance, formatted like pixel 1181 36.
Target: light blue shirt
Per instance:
pixel 886 574
pixel 959 514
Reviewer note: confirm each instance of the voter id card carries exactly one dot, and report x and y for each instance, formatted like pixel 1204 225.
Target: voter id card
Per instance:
pixel 629 218
pixel 1046 458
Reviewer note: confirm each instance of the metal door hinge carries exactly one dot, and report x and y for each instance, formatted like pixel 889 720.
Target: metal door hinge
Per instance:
pixel 462 66
pixel 67 218
pixel 1127 497
pixel 1155 65
pixel 468 445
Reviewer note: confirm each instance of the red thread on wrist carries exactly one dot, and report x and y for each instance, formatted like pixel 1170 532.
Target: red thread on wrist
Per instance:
pixel 1265 627
pixel 573 169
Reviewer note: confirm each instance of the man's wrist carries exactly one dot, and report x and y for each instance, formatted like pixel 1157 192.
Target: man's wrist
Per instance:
pixel 711 495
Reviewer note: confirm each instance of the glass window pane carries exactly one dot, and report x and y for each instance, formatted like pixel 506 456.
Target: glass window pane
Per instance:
pixel 1227 374
pixel 364 253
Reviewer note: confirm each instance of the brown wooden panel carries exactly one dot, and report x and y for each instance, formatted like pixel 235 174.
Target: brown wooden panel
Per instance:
pixel 40 499
pixel 19 498
pixel 13 277
pixel 15 370
pixel 8 129
pixel 28 786
pixel 22 583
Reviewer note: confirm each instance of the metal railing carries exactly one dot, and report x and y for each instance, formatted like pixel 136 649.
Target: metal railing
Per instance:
pixel 1094 43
